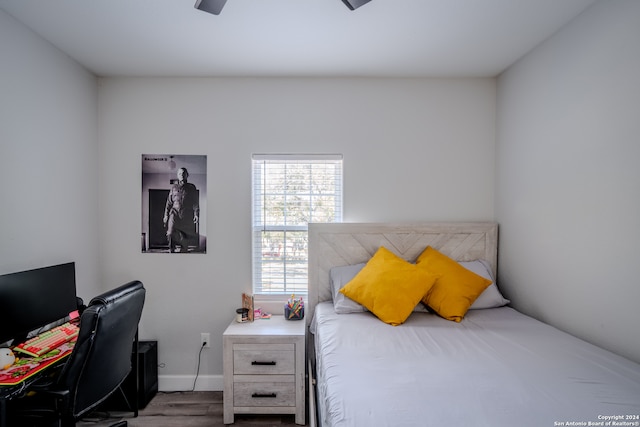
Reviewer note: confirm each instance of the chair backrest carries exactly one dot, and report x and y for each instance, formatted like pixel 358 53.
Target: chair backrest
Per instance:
pixel 101 358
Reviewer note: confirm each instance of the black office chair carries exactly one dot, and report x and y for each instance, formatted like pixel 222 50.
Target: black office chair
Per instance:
pixel 97 366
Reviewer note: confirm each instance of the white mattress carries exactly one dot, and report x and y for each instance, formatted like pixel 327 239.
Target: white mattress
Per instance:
pixel 497 367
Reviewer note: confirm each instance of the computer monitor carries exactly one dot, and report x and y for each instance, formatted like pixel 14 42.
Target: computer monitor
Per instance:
pixel 32 299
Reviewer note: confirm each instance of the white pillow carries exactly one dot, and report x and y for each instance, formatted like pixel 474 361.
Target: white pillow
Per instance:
pixel 340 276
pixel 491 296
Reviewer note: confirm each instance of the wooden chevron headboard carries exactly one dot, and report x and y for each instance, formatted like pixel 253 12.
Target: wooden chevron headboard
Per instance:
pixel 332 245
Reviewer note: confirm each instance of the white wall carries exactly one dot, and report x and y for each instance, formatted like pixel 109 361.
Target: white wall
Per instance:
pixel 414 150
pixel 568 178
pixel 49 156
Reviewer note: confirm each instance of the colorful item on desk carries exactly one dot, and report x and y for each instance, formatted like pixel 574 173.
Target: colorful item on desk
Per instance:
pixel 25 367
pixel 6 358
pixel 49 340
pixel 294 309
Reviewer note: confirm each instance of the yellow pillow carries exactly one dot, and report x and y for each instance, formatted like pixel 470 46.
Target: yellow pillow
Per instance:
pixel 389 286
pixel 456 288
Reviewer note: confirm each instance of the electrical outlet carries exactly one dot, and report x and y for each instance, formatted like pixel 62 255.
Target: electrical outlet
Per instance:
pixel 205 340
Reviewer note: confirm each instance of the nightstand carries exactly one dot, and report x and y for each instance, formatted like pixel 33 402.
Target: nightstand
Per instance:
pixel 264 368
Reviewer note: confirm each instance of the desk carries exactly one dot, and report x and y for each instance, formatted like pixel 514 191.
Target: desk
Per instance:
pixel 12 391
pixel 24 372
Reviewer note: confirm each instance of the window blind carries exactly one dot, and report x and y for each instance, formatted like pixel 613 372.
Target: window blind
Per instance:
pixel 289 192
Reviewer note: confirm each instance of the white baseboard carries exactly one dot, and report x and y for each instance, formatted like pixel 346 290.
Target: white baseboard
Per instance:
pixel 185 383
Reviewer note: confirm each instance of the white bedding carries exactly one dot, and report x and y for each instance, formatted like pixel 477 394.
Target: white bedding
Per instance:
pixel 495 368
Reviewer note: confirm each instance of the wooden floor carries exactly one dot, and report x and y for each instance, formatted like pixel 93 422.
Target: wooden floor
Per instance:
pixel 184 409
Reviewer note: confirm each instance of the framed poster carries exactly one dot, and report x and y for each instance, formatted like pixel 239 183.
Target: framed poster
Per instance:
pixel 174 194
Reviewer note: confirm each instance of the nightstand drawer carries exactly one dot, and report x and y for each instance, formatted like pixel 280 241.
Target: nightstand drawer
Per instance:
pixel 265 393
pixel 263 359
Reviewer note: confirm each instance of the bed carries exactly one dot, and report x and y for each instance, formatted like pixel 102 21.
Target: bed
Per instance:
pixel 495 367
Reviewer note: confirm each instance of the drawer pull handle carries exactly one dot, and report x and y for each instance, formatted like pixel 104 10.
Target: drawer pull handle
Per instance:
pixel 273 363
pixel 272 395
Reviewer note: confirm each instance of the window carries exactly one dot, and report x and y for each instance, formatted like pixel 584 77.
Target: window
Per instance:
pixel 290 191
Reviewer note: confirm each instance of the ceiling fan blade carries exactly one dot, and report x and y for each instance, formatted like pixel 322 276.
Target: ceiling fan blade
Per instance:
pixel 354 4
pixel 211 6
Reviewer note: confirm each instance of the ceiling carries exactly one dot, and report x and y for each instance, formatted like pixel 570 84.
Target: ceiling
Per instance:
pixel 383 38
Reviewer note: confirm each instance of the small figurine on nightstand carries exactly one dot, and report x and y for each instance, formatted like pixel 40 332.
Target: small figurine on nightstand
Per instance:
pixel 294 309
pixel 259 313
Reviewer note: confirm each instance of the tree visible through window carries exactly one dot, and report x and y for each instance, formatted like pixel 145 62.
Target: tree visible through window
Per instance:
pixel 289 192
